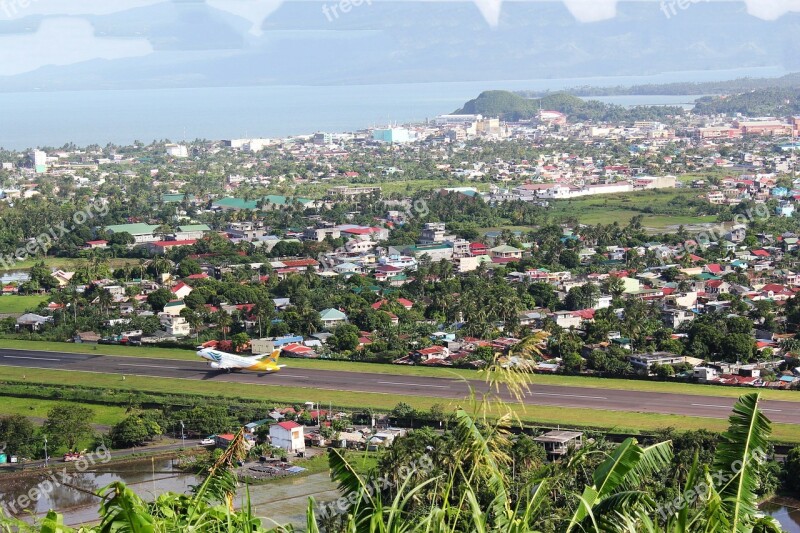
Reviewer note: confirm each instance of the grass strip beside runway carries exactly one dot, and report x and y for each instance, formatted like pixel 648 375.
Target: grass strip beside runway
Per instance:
pixel 402 370
pixel 540 415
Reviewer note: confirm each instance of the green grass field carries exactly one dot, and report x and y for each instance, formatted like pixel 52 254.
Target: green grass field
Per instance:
pixel 13 304
pixel 388 187
pixel 608 208
pixel 103 414
pixel 66 263
pixel 402 370
pixel 541 415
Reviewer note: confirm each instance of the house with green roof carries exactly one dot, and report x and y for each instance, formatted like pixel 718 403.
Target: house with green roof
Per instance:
pixel 174 307
pixel 272 201
pixel 332 318
pixel 142 233
pixel 191 231
pixel 234 204
pixel 174 198
pixel 436 252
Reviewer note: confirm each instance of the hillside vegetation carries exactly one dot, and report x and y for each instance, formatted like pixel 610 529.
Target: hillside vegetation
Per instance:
pixel 512 107
pixel 774 101
pixel 740 85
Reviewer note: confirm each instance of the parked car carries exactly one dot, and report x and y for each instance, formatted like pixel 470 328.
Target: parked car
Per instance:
pixel 208 441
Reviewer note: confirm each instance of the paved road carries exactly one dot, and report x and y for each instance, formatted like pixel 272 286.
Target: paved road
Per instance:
pixel 398 386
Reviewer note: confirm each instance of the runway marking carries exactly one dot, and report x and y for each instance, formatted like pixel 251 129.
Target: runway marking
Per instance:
pixel 728 407
pixel 414 385
pixel 150 366
pixel 29 358
pixel 567 395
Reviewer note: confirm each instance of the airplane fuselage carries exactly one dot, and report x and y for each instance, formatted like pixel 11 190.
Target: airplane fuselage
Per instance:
pixel 218 360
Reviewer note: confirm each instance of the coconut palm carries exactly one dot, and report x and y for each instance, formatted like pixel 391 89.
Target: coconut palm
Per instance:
pixel 105 300
pixel 194 319
pixel 224 321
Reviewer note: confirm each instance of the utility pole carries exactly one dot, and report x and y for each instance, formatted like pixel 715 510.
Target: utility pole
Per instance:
pixel 183 436
pixel 46 457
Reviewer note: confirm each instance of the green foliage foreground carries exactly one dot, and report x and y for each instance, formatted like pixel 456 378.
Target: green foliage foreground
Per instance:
pixel 467 488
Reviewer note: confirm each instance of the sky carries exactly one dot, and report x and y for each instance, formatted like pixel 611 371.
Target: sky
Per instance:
pixel 208 42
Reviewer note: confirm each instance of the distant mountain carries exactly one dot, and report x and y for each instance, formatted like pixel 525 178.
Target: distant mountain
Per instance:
pixel 736 86
pixel 504 104
pixel 196 45
pixel 771 102
pixel 512 107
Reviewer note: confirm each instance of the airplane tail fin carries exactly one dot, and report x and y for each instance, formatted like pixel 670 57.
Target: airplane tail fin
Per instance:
pixel 271 356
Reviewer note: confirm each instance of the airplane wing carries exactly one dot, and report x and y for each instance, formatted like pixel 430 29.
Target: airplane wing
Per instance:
pixel 225 364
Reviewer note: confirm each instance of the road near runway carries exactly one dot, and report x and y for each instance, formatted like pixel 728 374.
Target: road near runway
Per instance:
pixel 399 386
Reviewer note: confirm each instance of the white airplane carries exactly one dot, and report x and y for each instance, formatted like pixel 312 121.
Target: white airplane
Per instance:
pixel 217 360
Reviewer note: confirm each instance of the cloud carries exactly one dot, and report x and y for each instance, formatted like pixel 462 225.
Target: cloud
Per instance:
pixel 490 9
pixel 255 11
pixel 583 10
pixel 592 10
pixel 599 10
pixel 771 9
pixel 63 41
pixel 14 9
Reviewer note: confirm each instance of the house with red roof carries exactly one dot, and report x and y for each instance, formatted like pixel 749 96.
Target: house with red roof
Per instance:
pixel 776 292
pixel 91 245
pixel 425 356
pixel 181 291
pixel 393 317
pixel 717 286
pixel 478 248
pixel 408 304
pixel 288 436
pixel 585 314
pixel 298 350
pixel 387 272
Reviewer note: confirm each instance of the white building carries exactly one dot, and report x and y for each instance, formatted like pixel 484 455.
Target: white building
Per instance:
pixel 288 436
pixel 250 145
pixel 39 161
pixel 178 327
pixel 177 150
pixel 443 120
pixel 392 135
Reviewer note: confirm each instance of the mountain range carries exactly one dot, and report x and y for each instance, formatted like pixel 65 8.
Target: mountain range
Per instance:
pixel 191 43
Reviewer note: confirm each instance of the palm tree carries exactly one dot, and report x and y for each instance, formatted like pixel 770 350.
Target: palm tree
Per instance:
pixel 194 320
pixel 73 298
pixel 142 265
pixel 105 300
pixel 224 321
pixel 263 313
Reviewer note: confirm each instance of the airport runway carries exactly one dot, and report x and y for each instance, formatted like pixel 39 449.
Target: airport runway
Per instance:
pixel 398 386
